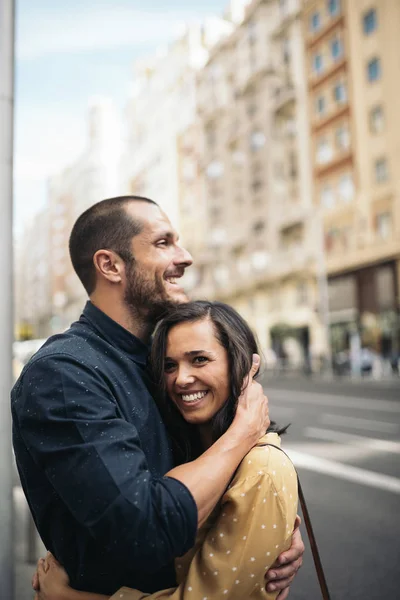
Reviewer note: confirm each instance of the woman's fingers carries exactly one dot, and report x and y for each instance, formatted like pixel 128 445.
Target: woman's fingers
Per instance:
pixel 248 380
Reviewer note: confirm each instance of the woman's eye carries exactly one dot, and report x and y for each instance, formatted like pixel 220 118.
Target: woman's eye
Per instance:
pixel 168 367
pixel 200 360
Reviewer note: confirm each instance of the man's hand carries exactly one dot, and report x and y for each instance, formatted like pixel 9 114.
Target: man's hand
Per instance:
pixel 252 417
pixel 50 580
pixel 284 569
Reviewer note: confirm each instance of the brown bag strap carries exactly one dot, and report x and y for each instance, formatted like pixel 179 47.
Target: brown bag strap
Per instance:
pixel 310 532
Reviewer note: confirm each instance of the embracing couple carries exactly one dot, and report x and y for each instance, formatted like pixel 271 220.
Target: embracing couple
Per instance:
pixel 142 440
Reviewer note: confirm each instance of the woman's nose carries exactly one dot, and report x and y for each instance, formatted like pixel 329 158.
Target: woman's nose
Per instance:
pixel 184 377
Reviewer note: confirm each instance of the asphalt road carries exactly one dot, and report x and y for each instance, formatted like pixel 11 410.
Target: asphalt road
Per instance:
pixel 345 442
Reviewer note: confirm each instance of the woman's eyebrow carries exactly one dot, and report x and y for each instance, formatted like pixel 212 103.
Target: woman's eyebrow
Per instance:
pixel 195 352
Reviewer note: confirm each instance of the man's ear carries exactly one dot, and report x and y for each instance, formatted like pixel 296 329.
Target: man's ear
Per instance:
pixel 109 265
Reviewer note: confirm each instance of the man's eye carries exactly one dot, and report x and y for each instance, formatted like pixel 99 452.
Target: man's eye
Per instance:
pixel 162 243
pixel 200 360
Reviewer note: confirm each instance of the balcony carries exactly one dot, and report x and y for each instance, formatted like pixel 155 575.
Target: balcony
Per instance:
pixel 283 95
pixel 291 213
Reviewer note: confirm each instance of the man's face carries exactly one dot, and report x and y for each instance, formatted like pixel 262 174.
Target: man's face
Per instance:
pixel 152 279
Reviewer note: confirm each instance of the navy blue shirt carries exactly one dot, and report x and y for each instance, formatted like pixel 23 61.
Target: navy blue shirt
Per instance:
pixel 92 452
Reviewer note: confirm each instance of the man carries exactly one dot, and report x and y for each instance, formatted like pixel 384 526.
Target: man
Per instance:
pixel 91 449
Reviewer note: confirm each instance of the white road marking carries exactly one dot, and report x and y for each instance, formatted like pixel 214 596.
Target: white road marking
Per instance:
pixel 357 423
pixel 347 472
pixel 295 397
pixel 339 452
pixel 356 440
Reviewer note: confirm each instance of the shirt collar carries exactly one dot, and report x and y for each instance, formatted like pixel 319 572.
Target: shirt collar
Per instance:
pixel 114 333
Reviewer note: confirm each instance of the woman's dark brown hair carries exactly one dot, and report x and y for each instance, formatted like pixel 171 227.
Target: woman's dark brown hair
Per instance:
pixel 234 334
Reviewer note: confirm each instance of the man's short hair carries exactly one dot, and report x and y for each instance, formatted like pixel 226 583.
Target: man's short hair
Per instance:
pixel 105 225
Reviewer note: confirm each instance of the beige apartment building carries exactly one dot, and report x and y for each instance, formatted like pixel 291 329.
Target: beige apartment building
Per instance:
pixel 259 250
pixel 32 279
pixel 353 76
pixel 162 105
pixel 49 295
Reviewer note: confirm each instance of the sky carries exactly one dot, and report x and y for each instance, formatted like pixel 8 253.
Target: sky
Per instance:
pixel 68 51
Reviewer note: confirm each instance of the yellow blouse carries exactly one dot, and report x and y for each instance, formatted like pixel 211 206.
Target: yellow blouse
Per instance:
pixel 247 531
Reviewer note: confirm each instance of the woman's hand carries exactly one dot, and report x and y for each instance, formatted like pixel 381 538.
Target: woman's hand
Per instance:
pixel 252 417
pixel 52 579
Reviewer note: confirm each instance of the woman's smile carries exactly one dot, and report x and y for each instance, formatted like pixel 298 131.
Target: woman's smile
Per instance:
pixel 192 397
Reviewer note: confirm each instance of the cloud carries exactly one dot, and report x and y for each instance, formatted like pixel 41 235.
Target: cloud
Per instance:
pixel 104 28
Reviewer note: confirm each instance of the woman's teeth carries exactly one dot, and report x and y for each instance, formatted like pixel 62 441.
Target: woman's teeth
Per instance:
pixel 193 397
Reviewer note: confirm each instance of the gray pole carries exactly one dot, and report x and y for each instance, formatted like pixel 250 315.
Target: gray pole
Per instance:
pixel 323 288
pixel 6 296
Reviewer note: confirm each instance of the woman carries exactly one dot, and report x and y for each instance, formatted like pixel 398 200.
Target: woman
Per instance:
pixel 200 356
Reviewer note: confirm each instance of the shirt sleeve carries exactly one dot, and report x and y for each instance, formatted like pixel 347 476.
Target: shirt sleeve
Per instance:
pixel 254 526
pixel 72 427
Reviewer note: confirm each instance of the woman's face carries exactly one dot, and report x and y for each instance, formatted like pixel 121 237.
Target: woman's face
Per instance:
pixel 196 371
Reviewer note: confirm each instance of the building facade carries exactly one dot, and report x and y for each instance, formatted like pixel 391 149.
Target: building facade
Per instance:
pixel 162 106
pixel 49 296
pixel 256 183
pixel 32 280
pixel 354 82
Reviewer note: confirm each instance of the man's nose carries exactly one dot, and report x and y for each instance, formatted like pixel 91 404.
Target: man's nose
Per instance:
pixel 183 257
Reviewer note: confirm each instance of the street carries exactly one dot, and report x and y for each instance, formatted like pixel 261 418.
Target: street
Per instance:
pixel 346 449
pixel 344 439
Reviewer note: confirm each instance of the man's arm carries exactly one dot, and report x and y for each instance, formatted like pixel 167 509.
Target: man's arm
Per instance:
pixel 286 566
pixel 92 457
pixel 94 462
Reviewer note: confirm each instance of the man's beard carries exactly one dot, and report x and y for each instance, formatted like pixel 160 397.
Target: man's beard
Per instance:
pixel 146 298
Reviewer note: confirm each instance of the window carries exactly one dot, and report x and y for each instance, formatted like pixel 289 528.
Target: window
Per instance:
pixel 315 22
pixel 251 109
pixel 374 69
pixel 257 140
pixel 302 293
pixel 293 165
pixel 318 65
pixel 279 170
pixel 283 6
pixel 252 31
pixel 384 225
pixel 215 169
pixel 211 137
pixel 324 151
pixel 340 93
pixel 369 21
pixel 376 119
pixel 320 105
pixel 258 227
pixel 336 48
pixel 331 239
pixel 346 187
pixel 381 170
pixel 327 197
pixel 333 7
pixel 256 185
pixel 286 53
pixel 342 138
